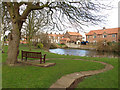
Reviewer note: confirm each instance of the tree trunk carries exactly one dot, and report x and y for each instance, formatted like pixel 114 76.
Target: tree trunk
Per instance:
pixel 29 44
pixel 13 48
pixel 3 46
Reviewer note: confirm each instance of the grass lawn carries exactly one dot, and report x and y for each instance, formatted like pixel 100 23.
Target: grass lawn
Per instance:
pixel 39 77
pixel 107 79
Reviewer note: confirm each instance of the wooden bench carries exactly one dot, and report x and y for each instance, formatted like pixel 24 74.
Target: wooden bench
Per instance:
pixel 28 54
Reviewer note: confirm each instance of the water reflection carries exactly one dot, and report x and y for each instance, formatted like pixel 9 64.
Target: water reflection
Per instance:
pixel 89 53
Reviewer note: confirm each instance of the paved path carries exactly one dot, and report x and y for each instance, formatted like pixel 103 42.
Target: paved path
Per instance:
pixel 71 80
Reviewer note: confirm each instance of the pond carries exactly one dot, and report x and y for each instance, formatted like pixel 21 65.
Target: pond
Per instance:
pixel 88 53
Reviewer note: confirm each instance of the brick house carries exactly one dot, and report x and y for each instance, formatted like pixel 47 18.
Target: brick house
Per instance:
pixel 110 35
pixel 64 40
pixel 55 38
pixel 71 37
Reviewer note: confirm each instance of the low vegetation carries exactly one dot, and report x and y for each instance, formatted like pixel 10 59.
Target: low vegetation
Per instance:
pixel 107 79
pixel 39 77
pixel 53 46
pixel 107 46
pixel 62 46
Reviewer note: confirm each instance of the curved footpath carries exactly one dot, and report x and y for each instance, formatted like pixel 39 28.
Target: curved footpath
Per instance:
pixel 71 80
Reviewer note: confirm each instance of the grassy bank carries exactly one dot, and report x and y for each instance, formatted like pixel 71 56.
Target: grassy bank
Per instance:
pixel 39 77
pixel 107 79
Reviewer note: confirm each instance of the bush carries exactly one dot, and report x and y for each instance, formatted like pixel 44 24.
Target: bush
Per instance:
pixel 115 47
pixel 108 46
pixel 102 46
pixel 40 45
pixel 53 46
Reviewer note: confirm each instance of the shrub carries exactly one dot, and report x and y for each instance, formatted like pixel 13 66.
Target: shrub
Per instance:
pixel 107 46
pixel 102 46
pixel 40 45
pixel 53 46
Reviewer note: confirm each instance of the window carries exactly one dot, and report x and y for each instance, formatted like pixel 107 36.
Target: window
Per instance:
pixel 88 36
pixel 83 37
pixel 113 35
pixel 104 36
pixel 114 41
pixel 94 42
pixel 94 36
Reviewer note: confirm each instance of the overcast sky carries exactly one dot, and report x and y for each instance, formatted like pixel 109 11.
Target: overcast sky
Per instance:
pixel 112 19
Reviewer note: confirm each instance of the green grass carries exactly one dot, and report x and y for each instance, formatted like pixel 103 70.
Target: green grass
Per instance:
pixel 39 77
pixel 61 45
pixel 108 79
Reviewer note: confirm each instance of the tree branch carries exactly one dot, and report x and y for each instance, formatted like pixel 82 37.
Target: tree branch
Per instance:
pixel 30 7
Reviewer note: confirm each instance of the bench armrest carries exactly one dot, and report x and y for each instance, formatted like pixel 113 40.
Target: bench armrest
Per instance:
pixel 44 55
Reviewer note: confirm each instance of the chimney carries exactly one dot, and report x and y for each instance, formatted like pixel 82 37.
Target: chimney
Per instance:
pixel 103 28
pixel 46 33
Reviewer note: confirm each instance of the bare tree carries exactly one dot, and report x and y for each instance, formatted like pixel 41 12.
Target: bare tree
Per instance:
pixel 35 21
pixel 76 12
pixel 6 24
pixel 30 28
pixel 43 38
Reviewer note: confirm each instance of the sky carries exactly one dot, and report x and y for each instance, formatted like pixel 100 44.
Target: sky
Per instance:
pixel 112 19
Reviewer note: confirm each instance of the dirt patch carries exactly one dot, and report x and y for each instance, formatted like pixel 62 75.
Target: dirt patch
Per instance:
pixel 36 63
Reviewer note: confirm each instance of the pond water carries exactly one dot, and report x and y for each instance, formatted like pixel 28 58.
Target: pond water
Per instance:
pixel 88 53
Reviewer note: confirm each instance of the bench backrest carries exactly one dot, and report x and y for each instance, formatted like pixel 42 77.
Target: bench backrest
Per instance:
pixel 31 54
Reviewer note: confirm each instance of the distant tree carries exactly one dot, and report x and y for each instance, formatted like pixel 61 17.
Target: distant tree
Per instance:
pixel 30 28
pixel 78 12
pixel 6 24
pixel 43 38
pixel 35 21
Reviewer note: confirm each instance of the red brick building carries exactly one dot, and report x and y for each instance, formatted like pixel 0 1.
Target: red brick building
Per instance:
pixel 110 35
pixel 71 37
pixel 64 40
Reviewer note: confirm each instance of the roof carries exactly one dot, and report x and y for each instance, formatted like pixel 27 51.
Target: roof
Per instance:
pixel 52 35
pixel 108 31
pixel 56 35
pixel 75 33
pixel 60 35
pixel 66 39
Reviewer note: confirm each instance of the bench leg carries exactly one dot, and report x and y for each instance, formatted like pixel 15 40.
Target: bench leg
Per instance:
pixel 40 60
pixel 25 58
pixel 44 60
pixel 22 58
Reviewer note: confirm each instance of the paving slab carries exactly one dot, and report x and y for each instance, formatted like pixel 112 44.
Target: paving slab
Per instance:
pixel 64 81
pixel 75 75
pixel 71 80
